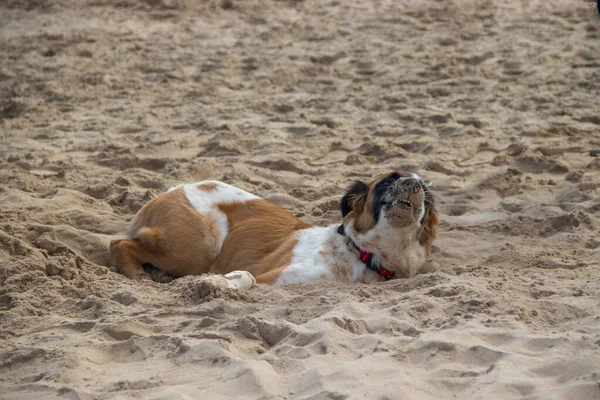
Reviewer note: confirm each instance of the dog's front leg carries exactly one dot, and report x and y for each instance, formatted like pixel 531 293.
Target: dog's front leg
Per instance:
pixel 238 280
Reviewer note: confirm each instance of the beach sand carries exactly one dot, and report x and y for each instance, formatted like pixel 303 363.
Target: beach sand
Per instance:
pixel 105 103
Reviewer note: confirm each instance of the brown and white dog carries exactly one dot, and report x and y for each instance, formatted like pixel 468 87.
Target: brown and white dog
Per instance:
pixel 388 228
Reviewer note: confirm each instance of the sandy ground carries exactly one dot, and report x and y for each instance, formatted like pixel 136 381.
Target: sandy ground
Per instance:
pixel 104 103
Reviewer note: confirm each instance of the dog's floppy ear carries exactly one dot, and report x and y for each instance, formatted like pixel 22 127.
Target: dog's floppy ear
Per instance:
pixel 355 198
pixel 429 227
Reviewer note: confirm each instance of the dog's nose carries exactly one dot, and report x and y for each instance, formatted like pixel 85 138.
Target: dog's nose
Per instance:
pixel 410 185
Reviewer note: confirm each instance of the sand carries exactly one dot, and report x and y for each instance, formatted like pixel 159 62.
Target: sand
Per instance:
pixel 104 103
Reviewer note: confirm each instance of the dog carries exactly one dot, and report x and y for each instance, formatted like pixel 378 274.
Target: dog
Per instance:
pixel 387 230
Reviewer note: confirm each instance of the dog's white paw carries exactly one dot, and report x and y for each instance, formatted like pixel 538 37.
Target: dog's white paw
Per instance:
pixel 237 280
pixel 240 280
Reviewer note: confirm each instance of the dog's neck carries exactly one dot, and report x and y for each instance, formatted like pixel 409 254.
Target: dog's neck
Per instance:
pixel 367 257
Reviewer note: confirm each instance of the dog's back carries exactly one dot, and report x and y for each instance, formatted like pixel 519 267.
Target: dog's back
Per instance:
pixel 206 227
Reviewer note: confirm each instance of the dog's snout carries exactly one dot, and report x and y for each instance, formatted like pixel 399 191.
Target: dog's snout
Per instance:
pixel 410 185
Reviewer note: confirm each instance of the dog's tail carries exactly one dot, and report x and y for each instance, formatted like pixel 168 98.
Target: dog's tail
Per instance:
pixel 150 238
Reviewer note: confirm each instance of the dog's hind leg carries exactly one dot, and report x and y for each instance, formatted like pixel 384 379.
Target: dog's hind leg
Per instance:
pixel 129 255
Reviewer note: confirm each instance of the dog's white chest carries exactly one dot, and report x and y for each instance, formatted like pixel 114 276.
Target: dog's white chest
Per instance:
pixel 321 254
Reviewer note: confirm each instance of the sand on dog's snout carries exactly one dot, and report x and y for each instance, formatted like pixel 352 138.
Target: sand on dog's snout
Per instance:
pixel 104 104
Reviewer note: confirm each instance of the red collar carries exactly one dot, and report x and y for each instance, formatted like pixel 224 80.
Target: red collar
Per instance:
pixel 367 258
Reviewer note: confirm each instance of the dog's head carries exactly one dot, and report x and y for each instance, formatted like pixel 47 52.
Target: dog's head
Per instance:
pixel 393 204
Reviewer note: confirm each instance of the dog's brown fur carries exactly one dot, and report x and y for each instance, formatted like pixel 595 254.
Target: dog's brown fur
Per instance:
pixel 260 239
pixel 191 247
pixel 428 230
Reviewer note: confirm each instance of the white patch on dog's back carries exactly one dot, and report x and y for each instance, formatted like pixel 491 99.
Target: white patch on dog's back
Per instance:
pixel 204 201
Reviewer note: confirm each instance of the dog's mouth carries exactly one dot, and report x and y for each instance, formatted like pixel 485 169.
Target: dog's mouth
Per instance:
pixel 401 204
